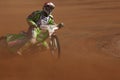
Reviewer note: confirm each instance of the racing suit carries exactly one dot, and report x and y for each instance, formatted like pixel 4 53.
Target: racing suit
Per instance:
pixel 35 20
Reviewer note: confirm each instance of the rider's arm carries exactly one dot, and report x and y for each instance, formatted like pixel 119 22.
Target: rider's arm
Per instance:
pixel 32 18
pixel 31 22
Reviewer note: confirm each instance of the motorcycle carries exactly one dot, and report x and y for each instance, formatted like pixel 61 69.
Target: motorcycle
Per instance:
pixel 13 42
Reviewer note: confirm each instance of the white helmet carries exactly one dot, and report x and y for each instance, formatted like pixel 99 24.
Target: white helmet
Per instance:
pixel 48 7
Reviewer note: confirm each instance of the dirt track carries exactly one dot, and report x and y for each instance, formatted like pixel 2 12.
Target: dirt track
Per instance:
pixel 90 41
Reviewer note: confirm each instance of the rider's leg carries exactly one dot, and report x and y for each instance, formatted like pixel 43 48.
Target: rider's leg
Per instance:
pixel 30 42
pixel 42 37
pixel 29 31
pixel 24 47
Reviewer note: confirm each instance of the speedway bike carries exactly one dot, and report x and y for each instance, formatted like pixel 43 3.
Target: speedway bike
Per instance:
pixel 13 42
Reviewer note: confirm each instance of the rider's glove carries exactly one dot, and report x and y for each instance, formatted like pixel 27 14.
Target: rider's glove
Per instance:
pixel 60 25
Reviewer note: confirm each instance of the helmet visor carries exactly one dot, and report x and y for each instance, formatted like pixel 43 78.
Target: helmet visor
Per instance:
pixel 49 8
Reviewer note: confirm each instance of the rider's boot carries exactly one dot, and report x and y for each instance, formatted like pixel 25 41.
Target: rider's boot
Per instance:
pixel 45 44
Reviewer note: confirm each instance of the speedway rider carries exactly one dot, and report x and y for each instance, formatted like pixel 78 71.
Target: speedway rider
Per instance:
pixel 36 20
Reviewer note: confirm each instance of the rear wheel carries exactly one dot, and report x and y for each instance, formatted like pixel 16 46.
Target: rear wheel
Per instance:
pixel 55 46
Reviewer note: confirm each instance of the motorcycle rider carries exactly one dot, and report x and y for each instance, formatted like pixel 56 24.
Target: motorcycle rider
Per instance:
pixel 37 20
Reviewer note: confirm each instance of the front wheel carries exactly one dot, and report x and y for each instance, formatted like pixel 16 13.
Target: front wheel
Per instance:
pixel 54 46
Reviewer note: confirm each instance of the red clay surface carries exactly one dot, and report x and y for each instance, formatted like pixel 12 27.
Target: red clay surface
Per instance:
pixel 90 41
